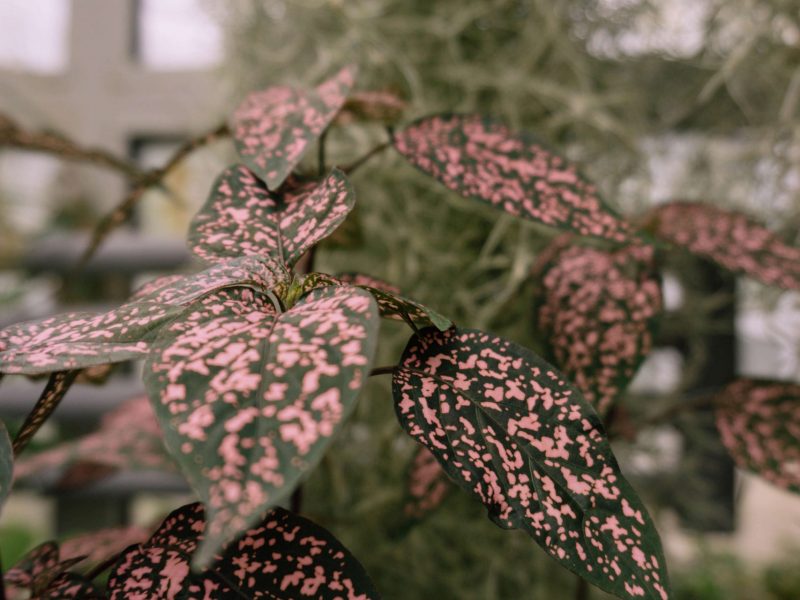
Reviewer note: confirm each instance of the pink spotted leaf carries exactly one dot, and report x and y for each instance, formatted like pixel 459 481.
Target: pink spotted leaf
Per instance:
pixel 57 387
pixel 128 439
pixel 390 303
pixel 275 127
pixel 759 423
pixel 372 105
pixel 599 309
pixel 428 484
pixel 282 555
pixel 483 159
pixel 44 574
pixel 250 398
pixel 242 217
pixel 508 428
pixel 730 239
pixel 96 547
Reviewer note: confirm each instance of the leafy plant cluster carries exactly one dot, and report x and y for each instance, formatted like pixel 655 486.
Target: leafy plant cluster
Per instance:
pixel 253 364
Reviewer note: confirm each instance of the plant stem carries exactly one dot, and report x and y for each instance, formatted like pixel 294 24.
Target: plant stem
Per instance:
pixel 582 589
pixel 349 169
pixel 382 370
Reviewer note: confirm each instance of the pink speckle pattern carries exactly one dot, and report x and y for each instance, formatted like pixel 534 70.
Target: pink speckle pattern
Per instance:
pixel 283 556
pixel 274 128
pixel 98 546
pixel 508 428
pixel 242 217
pixel 249 399
pixel 57 387
pixel 598 309
pixel 759 423
pixel 428 484
pixel 480 158
pixel 128 439
pixel 730 239
pixel 42 575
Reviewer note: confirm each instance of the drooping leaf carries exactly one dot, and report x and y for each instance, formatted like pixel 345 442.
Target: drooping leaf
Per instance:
pixel 99 546
pixel 57 387
pixel 509 429
pixel 242 217
pixel 428 484
pixel 759 423
pixel 43 573
pixel 483 159
pixel 129 439
pixel 283 556
pixel 598 309
pixel 273 128
pixel 6 465
pixel 730 239
pixel 368 281
pixel 78 340
pixel 249 399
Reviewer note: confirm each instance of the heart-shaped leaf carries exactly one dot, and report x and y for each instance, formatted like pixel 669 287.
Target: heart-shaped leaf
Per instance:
pixel 249 399
pixel 242 217
pixel 598 309
pixel 759 423
pixel 730 239
pixel 78 340
pixel 284 556
pixel 481 158
pixel 57 387
pixel 274 128
pixel 6 465
pixel 428 484
pixel 509 429
pixel 128 439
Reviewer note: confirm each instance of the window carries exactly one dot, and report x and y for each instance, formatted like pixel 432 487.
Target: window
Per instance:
pixel 175 35
pixel 35 35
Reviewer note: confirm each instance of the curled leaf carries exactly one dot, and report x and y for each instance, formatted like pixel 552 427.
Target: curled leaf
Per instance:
pixel 282 556
pixel 598 310
pixel 730 239
pixel 129 439
pixel 57 387
pixel 483 159
pixel 509 429
pixel 249 399
pixel 242 217
pixel 274 128
pixel 759 423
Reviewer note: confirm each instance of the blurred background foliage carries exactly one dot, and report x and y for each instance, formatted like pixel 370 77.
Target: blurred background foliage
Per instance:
pixel 656 100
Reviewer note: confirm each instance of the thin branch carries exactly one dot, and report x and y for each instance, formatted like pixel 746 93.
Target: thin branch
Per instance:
pixel 349 169
pixel 55 390
pixel 150 179
pixel 14 136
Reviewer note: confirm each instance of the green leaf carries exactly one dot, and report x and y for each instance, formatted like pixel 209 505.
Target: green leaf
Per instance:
pixel 242 217
pixel 509 429
pixel 275 127
pixel 759 423
pixel 6 465
pixel 249 398
pixel 599 310
pixel 282 556
pixel 732 240
pixel 483 159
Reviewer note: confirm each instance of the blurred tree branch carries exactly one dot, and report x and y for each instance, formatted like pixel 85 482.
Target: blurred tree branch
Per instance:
pixel 12 135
